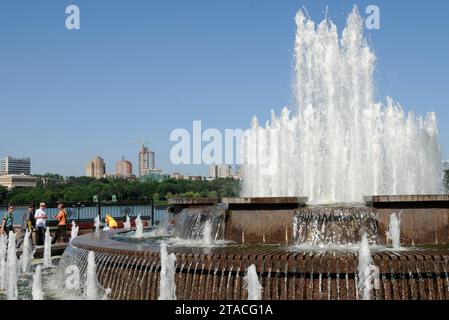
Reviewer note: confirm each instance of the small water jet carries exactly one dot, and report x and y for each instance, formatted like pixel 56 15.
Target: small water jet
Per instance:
pixel 167 280
pixel 97 224
pixel 252 283
pixel 27 253
pixel 37 292
pixel 3 251
pixel 394 231
pixel 91 285
pixel 127 223
pixel 207 233
pixel 74 231
pixel 12 274
pixel 47 249
pixel 365 269
pixel 139 227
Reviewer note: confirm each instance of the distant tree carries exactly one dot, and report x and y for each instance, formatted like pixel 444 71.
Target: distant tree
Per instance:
pixel 212 194
pixel 3 194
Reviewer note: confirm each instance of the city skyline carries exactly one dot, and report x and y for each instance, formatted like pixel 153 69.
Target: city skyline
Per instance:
pixel 97 89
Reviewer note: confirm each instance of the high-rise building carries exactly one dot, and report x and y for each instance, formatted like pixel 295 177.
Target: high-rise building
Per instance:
pixel 147 161
pixel 220 171
pixel 10 165
pixel 124 168
pixel 96 168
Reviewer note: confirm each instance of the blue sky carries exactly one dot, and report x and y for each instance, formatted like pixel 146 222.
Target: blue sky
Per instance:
pixel 139 69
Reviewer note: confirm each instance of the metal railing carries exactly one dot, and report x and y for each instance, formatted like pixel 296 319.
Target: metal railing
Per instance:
pixel 88 211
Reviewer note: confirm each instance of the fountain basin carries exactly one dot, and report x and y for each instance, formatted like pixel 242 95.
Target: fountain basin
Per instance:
pixel 424 218
pixel 133 271
pixel 263 232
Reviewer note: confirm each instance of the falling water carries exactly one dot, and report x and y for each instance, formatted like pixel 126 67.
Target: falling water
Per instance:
pixel 3 250
pixel 341 144
pixel 74 231
pixel 97 224
pixel 27 253
pixel 167 281
pixel 323 226
pixel 139 227
pixel 252 284
pixel 127 223
pixel 192 222
pixel 365 269
pixel 37 285
pixel 47 249
pixel 91 287
pixel 12 274
pixel 207 233
pixel 394 232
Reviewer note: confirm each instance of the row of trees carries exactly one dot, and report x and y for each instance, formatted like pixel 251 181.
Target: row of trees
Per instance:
pixel 54 188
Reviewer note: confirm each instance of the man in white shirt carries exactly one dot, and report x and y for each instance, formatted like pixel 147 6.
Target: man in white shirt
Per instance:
pixel 40 217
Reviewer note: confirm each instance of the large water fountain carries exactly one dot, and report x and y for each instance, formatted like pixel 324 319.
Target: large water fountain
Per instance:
pixel 341 144
pixel 338 204
pixel 308 226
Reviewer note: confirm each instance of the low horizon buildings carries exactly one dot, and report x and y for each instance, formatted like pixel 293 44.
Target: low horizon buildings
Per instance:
pixel 124 168
pixel 96 168
pixel 147 161
pixel 15 166
pixel 220 171
pixel 12 181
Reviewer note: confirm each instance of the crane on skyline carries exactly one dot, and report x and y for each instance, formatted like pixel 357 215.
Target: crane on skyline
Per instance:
pixel 143 142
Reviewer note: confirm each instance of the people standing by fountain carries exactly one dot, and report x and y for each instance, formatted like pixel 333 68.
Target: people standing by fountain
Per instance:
pixel 8 220
pixel 41 217
pixel 62 225
pixel 28 223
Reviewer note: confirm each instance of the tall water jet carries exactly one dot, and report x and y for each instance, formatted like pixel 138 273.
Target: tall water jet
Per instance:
pixel 167 280
pixel 74 231
pixel 365 269
pixel 394 231
pixel 139 227
pixel 27 253
pixel 97 224
pixel 47 249
pixel 127 223
pixel 207 233
pixel 12 274
pixel 3 251
pixel 91 285
pixel 341 144
pixel 252 283
pixel 36 290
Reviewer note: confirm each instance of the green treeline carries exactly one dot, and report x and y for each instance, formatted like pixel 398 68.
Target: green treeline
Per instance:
pixel 53 188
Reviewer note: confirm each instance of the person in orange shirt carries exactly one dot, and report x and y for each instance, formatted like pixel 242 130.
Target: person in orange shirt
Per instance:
pixel 62 225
